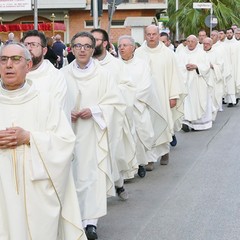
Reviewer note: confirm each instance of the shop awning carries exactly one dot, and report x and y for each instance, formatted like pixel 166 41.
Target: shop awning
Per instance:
pixel 27 27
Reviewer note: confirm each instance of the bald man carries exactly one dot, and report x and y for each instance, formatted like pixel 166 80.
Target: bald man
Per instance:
pixel 165 77
pixel 195 67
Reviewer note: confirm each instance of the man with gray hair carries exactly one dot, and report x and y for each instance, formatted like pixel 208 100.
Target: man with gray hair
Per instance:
pixel 142 102
pixel 124 151
pixel 237 34
pixel 38 198
pixel 195 67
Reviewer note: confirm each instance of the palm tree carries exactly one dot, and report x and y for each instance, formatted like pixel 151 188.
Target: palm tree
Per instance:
pixel 191 20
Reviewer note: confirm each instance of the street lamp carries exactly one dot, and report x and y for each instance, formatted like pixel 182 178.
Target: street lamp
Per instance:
pixel 53 18
pixel 66 33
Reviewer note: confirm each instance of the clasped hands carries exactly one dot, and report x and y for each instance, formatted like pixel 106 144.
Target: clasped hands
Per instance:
pixel 191 67
pixel 83 114
pixel 13 137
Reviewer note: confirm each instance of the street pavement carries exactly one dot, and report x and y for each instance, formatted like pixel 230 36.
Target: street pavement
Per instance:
pixel 195 197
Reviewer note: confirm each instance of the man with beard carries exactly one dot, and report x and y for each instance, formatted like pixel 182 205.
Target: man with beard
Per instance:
pixel 230 36
pixel 44 75
pixel 124 152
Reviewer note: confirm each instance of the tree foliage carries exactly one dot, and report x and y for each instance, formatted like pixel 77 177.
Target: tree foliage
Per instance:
pixel 190 20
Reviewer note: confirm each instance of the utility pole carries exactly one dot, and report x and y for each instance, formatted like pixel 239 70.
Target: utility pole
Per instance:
pixel 95 13
pixel 35 15
pixel 177 24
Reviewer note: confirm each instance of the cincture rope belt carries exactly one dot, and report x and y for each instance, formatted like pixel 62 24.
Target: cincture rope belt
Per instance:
pixel 15 172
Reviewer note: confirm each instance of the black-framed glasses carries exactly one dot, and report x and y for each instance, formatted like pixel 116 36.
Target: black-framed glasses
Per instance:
pixel 15 59
pixel 32 44
pixel 79 46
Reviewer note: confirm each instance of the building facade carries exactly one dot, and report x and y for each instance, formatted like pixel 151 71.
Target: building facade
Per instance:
pixel 75 16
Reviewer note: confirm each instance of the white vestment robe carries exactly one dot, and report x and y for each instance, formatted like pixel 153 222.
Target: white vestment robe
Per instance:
pixel 180 47
pixel 124 152
pixel 236 68
pixel 144 102
pixel 92 166
pixel 167 84
pixel 216 79
pixel 233 83
pixel 227 74
pixel 48 78
pixel 197 104
pixel 37 193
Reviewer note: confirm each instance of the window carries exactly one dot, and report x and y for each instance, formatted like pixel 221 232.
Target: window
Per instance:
pixel 117 23
pixel 89 23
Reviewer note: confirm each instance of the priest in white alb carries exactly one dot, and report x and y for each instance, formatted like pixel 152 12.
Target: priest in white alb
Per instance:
pixel 168 87
pixel 195 67
pixel 37 193
pixel 144 113
pixel 96 106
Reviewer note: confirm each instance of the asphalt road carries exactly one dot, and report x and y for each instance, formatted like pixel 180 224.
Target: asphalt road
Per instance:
pixel 195 197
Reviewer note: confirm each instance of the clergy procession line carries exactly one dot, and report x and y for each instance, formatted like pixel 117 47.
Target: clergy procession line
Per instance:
pixel 71 136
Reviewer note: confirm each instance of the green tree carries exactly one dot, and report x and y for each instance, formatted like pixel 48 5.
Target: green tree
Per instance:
pixel 190 20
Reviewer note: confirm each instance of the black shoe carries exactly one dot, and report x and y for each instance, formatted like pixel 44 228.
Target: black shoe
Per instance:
pixel 173 143
pixel 122 193
pixel 185 128
pixel 237 101
pixel 91 232
pixel 230 105
pixel 223 102
pixel 141 171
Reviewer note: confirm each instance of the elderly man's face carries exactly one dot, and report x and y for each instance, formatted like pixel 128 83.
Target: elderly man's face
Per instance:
pixel 191 43
pixel 152 36
pixel 237 35
pixel 207 44
pixel 13 66
pixel 126 49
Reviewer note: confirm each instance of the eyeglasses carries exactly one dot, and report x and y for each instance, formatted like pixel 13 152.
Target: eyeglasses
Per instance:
pixel 15 59
pixel 32 44
pixel 79 46
pixel 124 45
